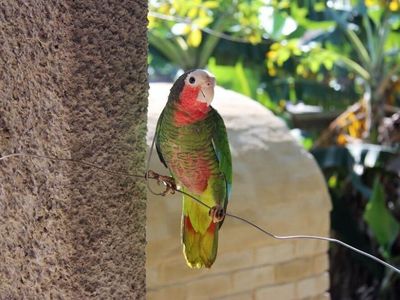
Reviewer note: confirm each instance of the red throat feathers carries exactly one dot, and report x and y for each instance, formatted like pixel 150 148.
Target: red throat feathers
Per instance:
pixel 189 110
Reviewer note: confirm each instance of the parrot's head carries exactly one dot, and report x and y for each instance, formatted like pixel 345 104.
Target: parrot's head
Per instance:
pixel 195 86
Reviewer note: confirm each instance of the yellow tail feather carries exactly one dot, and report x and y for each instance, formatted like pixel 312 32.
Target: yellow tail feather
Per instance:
pixel 200 249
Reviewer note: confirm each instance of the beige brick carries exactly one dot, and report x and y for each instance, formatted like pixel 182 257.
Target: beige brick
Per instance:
pixel 158 252
pixel 176 271
pixel 276 292
pixel 235 235
pixel 294 270
pixel 324 296
pixel 313 286
pixel 175 292
pixel 234 260
pixel 152 295
pixel 300 222
pixel 238 296
pixel 151 276
pixel 197 297
pixel 212 286
pixel 321 263
pixel 272 254
pixel 252 278
pixel 156 229
pixel 307 247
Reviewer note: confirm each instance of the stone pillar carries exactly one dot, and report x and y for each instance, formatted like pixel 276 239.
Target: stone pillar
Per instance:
pixel 277 185
pixel 73 84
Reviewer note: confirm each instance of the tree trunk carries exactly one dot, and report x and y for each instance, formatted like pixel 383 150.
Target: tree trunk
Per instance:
pixel 73 84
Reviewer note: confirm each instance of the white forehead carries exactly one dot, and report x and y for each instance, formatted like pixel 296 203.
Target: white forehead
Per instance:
pixel 200 74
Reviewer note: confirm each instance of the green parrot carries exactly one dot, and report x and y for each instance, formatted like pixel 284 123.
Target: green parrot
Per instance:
pixel 192 142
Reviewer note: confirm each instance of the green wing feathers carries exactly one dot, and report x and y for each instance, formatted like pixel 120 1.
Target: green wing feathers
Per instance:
pixel 222 151
pixel 157 139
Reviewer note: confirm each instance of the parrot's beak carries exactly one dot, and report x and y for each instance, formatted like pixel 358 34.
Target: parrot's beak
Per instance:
pixel 206 94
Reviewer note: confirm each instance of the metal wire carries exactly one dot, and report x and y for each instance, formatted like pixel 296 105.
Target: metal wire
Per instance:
pixel 243 220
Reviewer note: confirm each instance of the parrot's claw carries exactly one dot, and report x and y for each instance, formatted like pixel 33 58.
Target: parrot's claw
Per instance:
pixel 168 181
pixel 217 213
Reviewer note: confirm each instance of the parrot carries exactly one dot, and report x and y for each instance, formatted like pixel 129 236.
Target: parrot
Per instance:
pixel 191 141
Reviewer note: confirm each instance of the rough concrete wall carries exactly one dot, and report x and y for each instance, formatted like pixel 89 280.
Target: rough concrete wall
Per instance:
pixel 73 83
pixel 277 185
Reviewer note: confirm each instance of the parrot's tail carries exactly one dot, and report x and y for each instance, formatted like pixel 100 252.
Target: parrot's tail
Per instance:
pixel 200 249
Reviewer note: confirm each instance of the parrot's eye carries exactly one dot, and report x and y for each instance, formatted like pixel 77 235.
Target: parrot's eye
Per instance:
pixel 192 80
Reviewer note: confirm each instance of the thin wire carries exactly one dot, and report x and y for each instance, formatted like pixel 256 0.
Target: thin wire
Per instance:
pixel 314 237
pixel 71 160
pixel 204 29
pixel 243 220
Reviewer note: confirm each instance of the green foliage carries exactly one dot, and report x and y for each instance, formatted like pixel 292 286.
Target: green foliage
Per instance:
pixel 382 223
pixel 235 77
pixel 246 81
pixel 187 32
pixel 365 46
pixel 358 180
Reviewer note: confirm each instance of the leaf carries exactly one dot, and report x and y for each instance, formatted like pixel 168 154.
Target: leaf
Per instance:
pixel 194 38
pixel 358 46
pixel 328 63
pixel 202 21
pixel 314 65
pixel 375 14
pixel 283 55
pixel 353 66
pixel 242 79
pixel 193 12
pixel 383 225
pixel 278 24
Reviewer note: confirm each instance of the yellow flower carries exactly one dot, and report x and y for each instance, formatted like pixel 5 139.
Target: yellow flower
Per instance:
pixel 369 2
pixel 272 54
pixel 272 71
pixel 394 5
pixel 341 139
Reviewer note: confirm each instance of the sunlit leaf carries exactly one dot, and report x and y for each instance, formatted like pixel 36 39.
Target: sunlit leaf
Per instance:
pixel 254 39
pixel 319 7
pixel 383 225
pixel 193 12
pixel 243 80
pixel 152 22
pixel 300 69
pixel 328 64
pixel 203 21
pixel 332 181
pixel 314 66
pixel 272 71
pixel 375 14
pixel 283 55
pixel 211 4
pixel 277 25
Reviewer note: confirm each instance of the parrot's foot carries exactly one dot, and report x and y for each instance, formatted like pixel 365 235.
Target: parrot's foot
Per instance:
pixel 168 181
pixel 217 213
